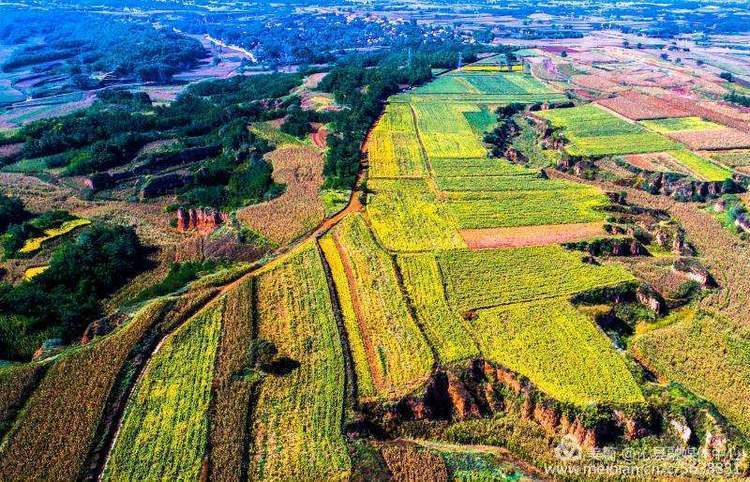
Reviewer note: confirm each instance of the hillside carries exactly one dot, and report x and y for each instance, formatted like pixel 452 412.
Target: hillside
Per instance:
pixel 445 260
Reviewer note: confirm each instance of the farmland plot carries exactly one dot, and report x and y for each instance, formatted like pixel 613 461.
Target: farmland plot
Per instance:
pixel 444 328
pixel 229 417
pixel 297 420
pixel 365 385
pixel 409 221
pixel 708 355
pixel 675 124
pixel 164 429
pixel 709 139
pixel 398 357
pixel 459 142
pixel 529 182
pixel 393 146
pixel 701 167
pixel 476 167
pixel 592 131
pixel 525 208
pixel 53 441
pixel 559 349
pixel 479 279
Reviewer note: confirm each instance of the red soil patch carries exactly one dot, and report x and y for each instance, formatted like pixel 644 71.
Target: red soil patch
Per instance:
pixel 319 136
pixel 530 235
pixel 656 161
pixel 637 106
pixel 713 139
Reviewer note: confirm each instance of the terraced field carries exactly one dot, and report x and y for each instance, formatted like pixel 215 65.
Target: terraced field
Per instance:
pixel 592 131
pixel 392 346
pixel 570 360
pixel 165 427
pixel 406 282
pixel 297 421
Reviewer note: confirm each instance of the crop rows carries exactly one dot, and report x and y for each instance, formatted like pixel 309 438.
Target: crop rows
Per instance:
pixel 529 182
pixel 297 420
pixel 393 147
pixel 164 429
pixel 724 138
pixel 592 131
pixel 16 383
pixel 525 208
pixel 396 353
pixel 701 167
pixel 229 417
pixel 443 327
pixel 478 279
pixel 408 221
pixel 357 345
pixel 559 349
pixel 53 441
pixel 476 167
pixel 433 122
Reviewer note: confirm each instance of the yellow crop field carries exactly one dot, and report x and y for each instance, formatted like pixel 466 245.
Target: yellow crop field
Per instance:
pixel 165 426
pixel 30 273
pixel 34 244
pixel 365 385
pixel 444 328
pixel 479 279
pixel 412 221
pixel 296 423
pixel 446 133
pixel 559 349
pixel 393 146
pixel 398 356
pixel 473 210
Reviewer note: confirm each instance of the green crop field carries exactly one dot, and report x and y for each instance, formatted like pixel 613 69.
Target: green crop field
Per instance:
pixel 444 328
pixel 481 121
pixel 701 167
pixel 484 87
pixel 530 182
pixel 164 429
pixel 479 279
pixel 397 354
pixel 592 131
pixel 475 167
pixel 525 208
pixel 674 124
pixel 296 424
pixel 558 349
pixel 445 131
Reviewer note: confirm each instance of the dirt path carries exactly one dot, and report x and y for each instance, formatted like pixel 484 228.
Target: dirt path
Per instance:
pixel 500 452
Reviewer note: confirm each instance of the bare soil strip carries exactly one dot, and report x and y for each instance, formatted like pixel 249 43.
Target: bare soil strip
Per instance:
pixel 530 235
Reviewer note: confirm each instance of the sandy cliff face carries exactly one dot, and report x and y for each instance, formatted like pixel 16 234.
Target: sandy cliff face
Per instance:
pixel 200 219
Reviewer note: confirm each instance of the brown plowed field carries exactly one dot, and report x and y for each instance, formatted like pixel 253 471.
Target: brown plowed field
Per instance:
pixel 530 235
